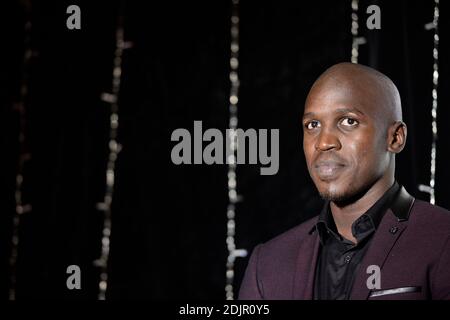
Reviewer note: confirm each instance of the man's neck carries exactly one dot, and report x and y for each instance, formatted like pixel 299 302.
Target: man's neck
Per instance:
pixel 345 215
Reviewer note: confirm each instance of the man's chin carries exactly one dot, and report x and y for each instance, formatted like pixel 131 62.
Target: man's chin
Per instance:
pixel 336 193
pixel 334 196
pixel 341 197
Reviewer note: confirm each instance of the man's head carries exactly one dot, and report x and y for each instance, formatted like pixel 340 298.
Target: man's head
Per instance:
pixel 353 128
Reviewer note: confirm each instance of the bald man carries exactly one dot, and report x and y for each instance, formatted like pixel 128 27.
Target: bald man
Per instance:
pixel 372 240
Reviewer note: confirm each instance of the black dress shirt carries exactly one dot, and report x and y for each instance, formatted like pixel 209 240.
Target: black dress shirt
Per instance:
pixel 339 258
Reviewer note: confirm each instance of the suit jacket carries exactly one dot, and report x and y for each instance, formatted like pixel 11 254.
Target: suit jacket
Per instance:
pixel 411 246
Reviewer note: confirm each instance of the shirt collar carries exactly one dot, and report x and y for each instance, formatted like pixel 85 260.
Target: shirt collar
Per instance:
pixel 362 227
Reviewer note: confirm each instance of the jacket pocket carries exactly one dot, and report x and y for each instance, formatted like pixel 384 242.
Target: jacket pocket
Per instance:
pixel 379 293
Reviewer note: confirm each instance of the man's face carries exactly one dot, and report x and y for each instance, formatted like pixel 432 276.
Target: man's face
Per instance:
pixel 345 140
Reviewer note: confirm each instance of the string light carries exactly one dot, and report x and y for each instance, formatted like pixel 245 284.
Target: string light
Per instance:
pixel 114 149
pixel 233 197
pixel 24 154
pixel 434 25
pixel 356 40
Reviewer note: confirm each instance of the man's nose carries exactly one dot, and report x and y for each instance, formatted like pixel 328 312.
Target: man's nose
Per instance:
pixel 327 140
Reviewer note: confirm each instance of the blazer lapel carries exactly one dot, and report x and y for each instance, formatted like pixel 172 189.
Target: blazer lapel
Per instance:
pixel 391 227
pixel 384 239
pixel 306 267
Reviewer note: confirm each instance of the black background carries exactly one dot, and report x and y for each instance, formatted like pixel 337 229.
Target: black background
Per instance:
pixel 169 222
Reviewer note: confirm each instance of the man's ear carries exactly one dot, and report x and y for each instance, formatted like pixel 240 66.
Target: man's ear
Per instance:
pixel 397 136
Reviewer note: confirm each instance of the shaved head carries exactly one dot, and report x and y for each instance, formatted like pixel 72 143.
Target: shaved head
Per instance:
pixel 353 128
pixel 362 79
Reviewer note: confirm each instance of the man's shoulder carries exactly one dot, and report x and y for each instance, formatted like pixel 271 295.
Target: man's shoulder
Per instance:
pixel 291 237
pixel 423 210
pixel 429 216
pixel 281 252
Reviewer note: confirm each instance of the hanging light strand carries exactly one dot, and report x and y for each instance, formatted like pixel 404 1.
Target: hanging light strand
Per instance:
pixel 24 154
pixel 434 25
pixel 233 197
pixel 356 39
pixel 114 149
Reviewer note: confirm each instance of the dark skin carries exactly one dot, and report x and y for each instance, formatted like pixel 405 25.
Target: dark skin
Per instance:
pixel 353 128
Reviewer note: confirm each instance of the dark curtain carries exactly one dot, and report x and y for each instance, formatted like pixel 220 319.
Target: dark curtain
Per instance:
pixel 169 221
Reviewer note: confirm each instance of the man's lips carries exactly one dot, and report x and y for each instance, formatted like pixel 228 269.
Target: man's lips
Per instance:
pixel 328 170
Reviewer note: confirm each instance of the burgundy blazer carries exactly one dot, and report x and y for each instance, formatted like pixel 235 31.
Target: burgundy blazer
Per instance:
pixel 411 246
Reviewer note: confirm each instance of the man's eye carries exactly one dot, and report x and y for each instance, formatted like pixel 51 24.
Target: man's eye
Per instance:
pixel 312 125
pixel 349 122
